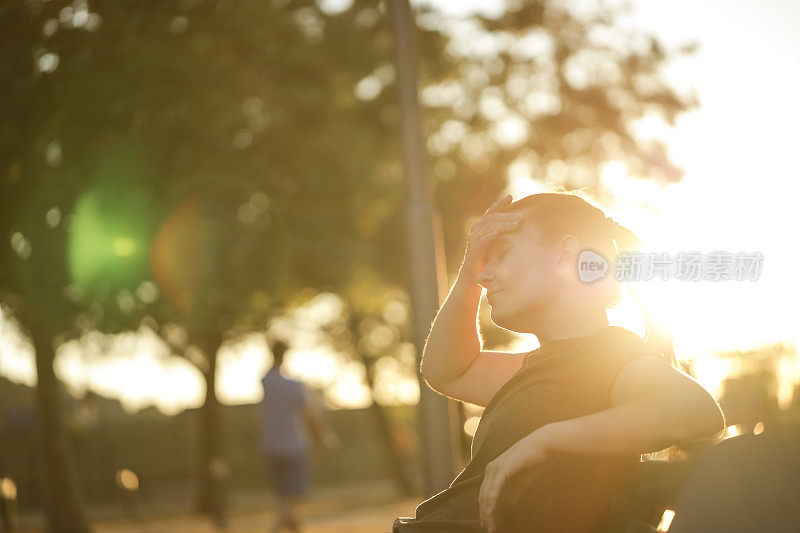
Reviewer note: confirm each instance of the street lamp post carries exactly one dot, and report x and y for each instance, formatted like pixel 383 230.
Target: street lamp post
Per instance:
pixel 439 426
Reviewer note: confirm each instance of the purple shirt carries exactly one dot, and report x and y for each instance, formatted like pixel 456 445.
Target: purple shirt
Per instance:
pixel 283 428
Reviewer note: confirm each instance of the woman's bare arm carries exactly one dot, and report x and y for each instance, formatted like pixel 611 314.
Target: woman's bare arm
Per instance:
pixel 453 363
pixel 654 406
pixel 453 342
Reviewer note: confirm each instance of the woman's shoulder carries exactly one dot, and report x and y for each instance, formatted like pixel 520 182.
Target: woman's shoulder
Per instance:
pixel 619 339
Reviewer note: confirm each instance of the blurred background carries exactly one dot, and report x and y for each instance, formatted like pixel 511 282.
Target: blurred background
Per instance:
pixel 182 182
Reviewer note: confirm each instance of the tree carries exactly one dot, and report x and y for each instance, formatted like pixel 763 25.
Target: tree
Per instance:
pixel 273 124
pixel 542 92
pixel 222 143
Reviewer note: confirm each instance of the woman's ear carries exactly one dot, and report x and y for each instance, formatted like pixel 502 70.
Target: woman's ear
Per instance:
pixel 567 249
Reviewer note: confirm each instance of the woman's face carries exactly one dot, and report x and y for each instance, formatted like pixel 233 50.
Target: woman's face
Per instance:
pixel 520 278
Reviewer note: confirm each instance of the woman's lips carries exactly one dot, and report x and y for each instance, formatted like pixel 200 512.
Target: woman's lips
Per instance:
pixel 491 295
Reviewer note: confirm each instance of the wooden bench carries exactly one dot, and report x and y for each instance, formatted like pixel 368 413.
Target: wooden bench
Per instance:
pixel 652 493
pixel 736 484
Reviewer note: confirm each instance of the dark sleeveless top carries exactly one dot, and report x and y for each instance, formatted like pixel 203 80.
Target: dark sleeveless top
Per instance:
pixel 560 380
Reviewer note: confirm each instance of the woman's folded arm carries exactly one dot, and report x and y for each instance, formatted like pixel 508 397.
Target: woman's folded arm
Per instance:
pixel 653 406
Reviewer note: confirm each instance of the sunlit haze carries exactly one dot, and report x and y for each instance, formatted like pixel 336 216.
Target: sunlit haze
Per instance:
pixel 738 151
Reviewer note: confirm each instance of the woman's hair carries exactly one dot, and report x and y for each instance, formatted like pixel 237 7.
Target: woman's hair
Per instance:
pixel 563 212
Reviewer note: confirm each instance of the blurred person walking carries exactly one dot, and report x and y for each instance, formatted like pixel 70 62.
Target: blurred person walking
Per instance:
pixel 284 412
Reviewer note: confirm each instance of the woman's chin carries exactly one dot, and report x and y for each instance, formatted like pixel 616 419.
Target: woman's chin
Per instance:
pixel 496 315
pixel 504 320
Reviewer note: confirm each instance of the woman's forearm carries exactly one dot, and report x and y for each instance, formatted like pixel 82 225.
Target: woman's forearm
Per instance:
pixel 645 425
pixel 453 342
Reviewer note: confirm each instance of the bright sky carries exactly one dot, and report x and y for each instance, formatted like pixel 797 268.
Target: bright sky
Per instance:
pixel 742 174
pixel 742 179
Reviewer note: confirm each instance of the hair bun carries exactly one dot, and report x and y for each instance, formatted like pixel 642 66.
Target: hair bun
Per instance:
pixel 613 225
pixel 625 239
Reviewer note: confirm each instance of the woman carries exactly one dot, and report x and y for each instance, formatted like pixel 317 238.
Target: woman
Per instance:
pixel 564 424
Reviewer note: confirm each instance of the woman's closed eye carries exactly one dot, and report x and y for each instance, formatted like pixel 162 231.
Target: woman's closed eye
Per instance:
pixel 499 256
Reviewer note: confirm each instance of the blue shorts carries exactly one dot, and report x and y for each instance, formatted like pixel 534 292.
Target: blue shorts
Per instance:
pixel 289 473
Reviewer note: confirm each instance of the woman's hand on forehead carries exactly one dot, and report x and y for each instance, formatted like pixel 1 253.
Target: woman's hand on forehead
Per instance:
pixel 505 200
pixel 483 234
pixel 497 243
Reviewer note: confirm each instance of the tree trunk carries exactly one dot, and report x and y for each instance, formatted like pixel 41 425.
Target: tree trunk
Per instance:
pixel 61 492
pixel 213 468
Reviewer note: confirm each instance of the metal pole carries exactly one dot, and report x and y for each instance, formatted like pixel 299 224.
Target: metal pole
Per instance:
pixel 428 273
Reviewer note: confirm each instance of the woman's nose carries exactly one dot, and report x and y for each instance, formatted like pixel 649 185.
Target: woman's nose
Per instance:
pixel 484 277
